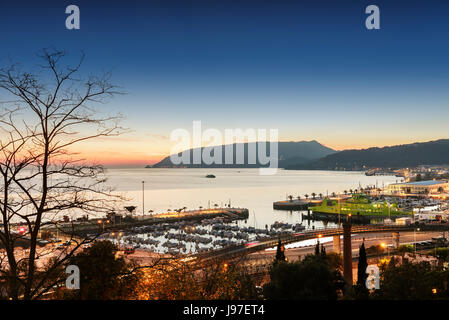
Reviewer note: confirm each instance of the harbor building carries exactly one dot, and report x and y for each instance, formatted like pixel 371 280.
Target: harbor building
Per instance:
pixel 417 188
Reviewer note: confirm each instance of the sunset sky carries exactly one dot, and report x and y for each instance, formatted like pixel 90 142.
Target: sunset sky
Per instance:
pixel 308 68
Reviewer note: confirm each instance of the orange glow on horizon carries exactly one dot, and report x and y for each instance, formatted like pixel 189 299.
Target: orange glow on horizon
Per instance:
pixel 127 161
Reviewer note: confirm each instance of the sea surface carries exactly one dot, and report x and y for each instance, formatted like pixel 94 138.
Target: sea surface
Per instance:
pixel 177 188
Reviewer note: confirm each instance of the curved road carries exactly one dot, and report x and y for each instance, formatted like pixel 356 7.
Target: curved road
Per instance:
pixel 244 249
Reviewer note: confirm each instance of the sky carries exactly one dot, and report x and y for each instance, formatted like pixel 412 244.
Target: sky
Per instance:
pixel 310 69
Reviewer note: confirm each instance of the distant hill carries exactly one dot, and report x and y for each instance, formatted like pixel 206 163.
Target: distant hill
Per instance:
pixel 289 153
pixel 407 155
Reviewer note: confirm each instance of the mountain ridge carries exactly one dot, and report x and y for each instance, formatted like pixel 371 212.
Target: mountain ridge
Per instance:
pixel 435 152
pixel 289 153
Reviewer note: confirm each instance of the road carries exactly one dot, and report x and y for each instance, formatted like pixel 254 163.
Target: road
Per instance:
pixel 293 254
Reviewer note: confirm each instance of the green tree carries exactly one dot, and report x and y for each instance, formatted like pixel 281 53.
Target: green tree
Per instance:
pixel 442 254
pixel 309 279
pixel 403 248
pixel 232 283
pixel 102 275
pixel 334 260
pixel 176 280
pixel 411 281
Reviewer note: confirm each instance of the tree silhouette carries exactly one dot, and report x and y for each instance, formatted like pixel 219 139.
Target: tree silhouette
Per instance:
pixel 360 289
pixel 280 255
pixel 310 279
pixel 47 114
pixel 317 248
pixel 362 265
pixel 104 276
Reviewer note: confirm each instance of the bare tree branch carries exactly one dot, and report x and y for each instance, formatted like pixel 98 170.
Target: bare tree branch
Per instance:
pixel 42 179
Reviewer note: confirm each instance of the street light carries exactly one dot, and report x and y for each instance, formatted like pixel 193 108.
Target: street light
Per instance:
pixel 22 230
pixel 102 223
pixel 339 208
pixel 143 198
pixel 389 211
pixel 414 235
pixel 384 245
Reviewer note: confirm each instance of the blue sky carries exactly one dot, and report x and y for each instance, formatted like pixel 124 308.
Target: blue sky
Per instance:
pixel 309 68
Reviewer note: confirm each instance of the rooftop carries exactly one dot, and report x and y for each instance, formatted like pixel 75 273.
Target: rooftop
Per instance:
pixel 425 183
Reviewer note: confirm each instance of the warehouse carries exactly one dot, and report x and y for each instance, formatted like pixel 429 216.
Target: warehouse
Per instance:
pixel 418 188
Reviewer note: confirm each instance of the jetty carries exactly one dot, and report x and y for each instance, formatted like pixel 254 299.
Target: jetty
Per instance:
pixel 296 204
pixel 104 224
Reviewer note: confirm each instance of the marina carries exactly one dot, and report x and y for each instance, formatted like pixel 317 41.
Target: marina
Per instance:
pixel 218 225
pixel 186 237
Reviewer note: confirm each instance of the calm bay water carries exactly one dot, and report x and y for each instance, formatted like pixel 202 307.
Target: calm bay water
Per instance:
pixel 177 188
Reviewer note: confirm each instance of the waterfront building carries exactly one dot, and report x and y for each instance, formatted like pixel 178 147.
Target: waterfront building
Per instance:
pixel 418 188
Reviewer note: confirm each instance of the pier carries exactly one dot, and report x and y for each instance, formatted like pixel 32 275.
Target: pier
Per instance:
pixel 295 204
pixel 101 225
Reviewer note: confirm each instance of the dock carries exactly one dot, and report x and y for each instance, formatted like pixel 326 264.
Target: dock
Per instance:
pixel 295 204
pixel 101 224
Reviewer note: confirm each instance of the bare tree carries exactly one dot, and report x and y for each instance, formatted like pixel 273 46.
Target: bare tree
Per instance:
pixel 45 114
